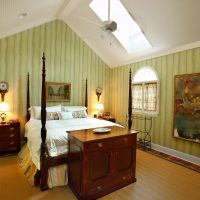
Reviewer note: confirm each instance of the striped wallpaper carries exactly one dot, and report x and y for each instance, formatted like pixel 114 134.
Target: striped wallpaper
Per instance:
pixel 167 67
pixel 68 60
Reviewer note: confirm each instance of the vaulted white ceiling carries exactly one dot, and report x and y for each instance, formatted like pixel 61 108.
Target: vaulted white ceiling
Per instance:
pixel 168 24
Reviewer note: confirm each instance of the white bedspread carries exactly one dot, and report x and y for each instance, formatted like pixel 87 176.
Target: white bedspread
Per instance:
pixel 56 134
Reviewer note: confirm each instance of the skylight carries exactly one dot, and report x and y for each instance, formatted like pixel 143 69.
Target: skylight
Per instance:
pixel 128 32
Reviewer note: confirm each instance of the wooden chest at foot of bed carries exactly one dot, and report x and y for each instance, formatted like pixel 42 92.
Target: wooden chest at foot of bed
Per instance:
pixel 101 163
pixel 9 138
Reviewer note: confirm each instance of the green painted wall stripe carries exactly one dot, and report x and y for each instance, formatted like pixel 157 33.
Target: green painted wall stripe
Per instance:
pixel 166 67
pixel 68 60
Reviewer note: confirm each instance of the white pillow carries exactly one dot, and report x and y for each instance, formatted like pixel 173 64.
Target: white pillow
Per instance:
pixel 65 115
pixel 54 108
pixel 73 108
pixel 35 112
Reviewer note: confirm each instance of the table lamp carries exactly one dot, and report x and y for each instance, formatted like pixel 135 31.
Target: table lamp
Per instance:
pixel 3 108
pixel 99 107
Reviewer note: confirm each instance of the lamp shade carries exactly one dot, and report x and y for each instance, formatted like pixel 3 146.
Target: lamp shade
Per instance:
pixel 4 107
pixel 99 106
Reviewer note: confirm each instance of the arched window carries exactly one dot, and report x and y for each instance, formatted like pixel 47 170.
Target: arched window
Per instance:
pixel 145 91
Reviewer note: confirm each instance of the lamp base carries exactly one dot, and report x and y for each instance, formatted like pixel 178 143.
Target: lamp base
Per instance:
pixel 3 118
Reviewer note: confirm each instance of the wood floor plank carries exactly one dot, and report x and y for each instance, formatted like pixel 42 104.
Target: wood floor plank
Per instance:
pixel 157 179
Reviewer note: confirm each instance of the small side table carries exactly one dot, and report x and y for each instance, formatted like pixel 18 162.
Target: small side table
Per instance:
pixel 109 118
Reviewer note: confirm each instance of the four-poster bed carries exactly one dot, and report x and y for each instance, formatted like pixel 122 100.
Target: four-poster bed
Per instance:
pixel 46 160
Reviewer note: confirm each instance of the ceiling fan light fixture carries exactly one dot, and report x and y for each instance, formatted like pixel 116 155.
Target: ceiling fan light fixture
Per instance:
pixel 110 26
pixel 128 33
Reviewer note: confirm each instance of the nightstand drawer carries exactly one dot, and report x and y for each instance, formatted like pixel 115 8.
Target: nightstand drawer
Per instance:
pixel 4 130
pixel 9 137
pixel 9 145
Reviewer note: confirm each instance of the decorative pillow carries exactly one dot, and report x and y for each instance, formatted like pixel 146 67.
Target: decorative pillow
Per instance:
pixel 65 115
pixel 52 116
pixel 73 108
pixel 79 114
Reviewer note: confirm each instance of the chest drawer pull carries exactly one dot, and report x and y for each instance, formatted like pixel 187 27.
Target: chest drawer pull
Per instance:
pixel 11 143
pixel 124 177
pixel 99 188
pixel 125 139
pixel 12 129
pixel 100 144
pixel 12 135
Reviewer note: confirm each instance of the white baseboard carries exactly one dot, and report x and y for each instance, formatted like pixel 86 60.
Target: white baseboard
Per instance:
pixel 177 154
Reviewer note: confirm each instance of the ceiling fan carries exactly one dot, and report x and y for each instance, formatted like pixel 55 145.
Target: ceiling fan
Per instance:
pixel 108 25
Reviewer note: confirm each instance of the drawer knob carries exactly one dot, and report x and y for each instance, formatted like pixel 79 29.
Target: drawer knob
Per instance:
pixel 125 139
pixel 124 177
pixel 11 143
pixel 100 144
pixel 98 188
pixel 12 135
pixel 12 129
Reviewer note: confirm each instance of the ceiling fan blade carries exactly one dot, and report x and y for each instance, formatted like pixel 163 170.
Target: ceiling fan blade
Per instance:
pixel 91 21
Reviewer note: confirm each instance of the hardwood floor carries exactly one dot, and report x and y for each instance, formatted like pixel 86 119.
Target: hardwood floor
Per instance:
pixel 157 179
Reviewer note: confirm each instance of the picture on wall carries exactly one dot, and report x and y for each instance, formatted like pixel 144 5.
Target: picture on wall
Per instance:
pixel 58 91
pixel 187 107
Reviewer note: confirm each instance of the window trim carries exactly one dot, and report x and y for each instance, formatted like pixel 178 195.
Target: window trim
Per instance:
pixel 143 111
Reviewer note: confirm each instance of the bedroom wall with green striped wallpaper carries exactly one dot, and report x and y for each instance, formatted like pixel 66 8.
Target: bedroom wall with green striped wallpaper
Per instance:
pixel 68 60
pixel 184 62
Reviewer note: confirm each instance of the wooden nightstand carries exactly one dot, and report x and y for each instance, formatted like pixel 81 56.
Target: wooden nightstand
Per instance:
pixel 9 138
pixel 109 118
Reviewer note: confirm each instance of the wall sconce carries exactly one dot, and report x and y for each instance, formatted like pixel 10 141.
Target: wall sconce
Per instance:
pixel 98 92
pixel 3 108
pixel 99 107
pixel 3 89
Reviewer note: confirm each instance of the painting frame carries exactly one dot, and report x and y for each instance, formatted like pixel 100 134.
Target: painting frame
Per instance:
pixel 57 92
pixel 186 120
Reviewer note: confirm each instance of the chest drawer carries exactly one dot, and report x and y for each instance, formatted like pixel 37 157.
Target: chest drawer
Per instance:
pixel 124 140
pixel 4 130
pixel 98 145
pixel 9 137
pixel 9 145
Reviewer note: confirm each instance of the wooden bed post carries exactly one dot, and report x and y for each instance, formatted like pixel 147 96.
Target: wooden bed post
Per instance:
pixel 28 99
pixel 130 103
pixel 46 161
pixel 43 156
pixel 86 95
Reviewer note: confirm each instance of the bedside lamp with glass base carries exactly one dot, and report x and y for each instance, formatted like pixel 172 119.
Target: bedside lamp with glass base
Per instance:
pixel 3 108
pixel 99 107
